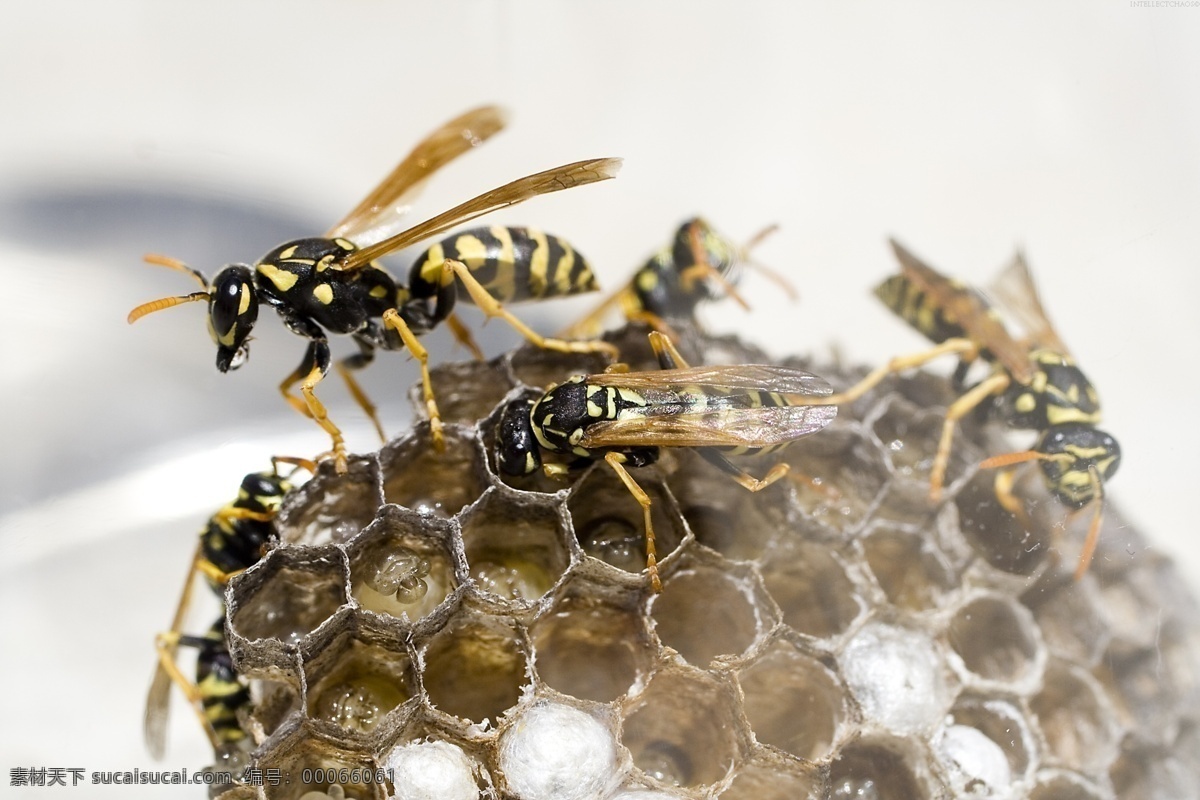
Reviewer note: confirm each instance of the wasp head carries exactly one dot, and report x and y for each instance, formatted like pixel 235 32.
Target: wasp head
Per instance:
pixel 232 312
pixel 1076 460
pixel 516 447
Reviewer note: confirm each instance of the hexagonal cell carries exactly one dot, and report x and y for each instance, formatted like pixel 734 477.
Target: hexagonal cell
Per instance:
pixel 1077 724
pixel 898 675
pixel 273 703
pixel 403 565
pixel 837 475
pixel 1070 619
pixel 432 483
pixel 793 702
pixel 775 781
pixel 997 640
pixel 359 679
pixel 910 434
pixel 1061 785
pixel 433 769
pixel 705 611
pixel 304 763
pixel 608 521
pixel 912 572
pixel 475 667
pixel 1147 685
pixel 1140 774
pixel 289 593
pixel 331 507
pixel 541 368
pixel 722 515
pixel 466 391
pixel 516 546
pixel 1007 730
pixel 811 587
pixel 554 751
pixel 881 769
pixel 591 647
pixel 683 729
pixel 999 537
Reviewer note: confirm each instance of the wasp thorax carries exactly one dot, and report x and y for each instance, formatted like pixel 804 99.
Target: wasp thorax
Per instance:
pixel 232 311
pixel 1077 459
pixel 559 417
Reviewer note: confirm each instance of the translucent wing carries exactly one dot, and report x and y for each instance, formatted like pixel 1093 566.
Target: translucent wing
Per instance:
pixel 158 711
pixel 737 418
pixel 567 176
pixel 741 378
pixel 378 213
pixel 738 427
pixel 1015 291
pixel 970 311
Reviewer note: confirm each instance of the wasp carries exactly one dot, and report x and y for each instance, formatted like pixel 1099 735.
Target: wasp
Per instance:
pixel 625 418
pixel 1034 383
pixel 698 265
pixel 333 284
pixel 235 538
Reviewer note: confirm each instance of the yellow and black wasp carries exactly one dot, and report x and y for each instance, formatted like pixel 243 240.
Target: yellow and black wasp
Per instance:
pixel 333 285
pixel 1034 383
pixel 624 418
pixel 234 539
pixel 698 265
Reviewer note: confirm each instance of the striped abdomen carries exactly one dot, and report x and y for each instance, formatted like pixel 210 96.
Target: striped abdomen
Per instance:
pixel 513 264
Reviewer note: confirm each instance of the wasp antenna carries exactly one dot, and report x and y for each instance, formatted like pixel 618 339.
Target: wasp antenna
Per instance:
pixel 757 239
pixel 175 264
pixel 1093 534
pixel 1008 459
pixel 165 302
pixel 705 269
pixel 772 275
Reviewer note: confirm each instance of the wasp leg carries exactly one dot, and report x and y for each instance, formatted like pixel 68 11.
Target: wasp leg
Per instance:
pixel 738 474
pixel 616 461
pixel 463 336
pixel 1008 500
pixel 167 645
pixel 295 461
pixel 668 356
pixel 492 308
pixel 167 672
pixel 593 322
pixel 958 409
pixel 350 364
pixel 393 320
pixel 964 348
pixel 1093 534
pixel 294 377
pixel 316 362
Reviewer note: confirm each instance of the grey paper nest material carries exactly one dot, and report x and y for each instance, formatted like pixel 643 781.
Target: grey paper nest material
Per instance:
pixel 848 641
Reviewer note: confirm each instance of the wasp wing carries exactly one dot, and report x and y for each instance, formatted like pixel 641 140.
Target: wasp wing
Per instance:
pixel 970 311
pixel 158 711
pixel 729 408
pixel 567 176
pixel 1014 290
pixel 377 215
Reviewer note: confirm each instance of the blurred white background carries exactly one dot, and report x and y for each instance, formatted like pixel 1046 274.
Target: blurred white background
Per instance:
pixel 214 131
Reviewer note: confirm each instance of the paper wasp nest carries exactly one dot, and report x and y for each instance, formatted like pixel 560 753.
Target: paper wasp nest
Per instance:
pixel 845 639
